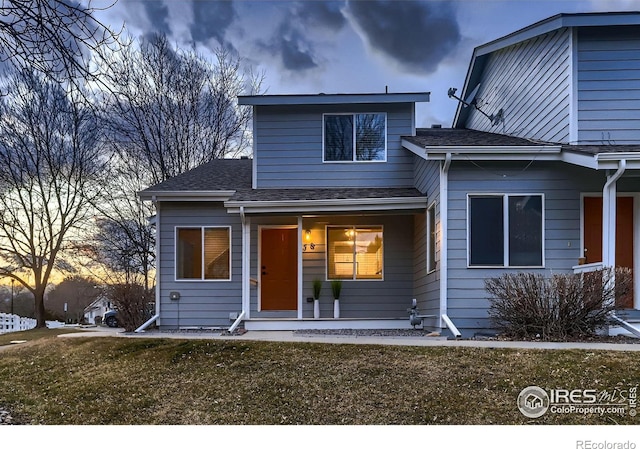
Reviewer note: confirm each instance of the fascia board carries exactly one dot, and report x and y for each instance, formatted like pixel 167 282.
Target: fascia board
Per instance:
pixel 276 100
pixel 186 195
pixel 346 205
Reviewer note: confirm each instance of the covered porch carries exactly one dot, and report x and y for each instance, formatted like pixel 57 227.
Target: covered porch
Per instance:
pixel 365 243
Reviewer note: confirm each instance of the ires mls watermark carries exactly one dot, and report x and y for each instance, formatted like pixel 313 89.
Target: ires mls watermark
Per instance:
pixel 533 402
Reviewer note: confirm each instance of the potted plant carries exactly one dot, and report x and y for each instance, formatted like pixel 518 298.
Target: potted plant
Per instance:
pixel 317 288
pixel 336 288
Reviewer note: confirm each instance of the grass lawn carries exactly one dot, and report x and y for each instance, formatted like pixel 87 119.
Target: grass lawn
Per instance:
pixel 165 381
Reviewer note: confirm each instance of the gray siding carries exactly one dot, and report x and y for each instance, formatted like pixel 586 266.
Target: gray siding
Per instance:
pixel 530 81
pixel 388 298
pixel 426 286
pixel 201 303
pixel 289 149
pixel 609 85
pixel 561 184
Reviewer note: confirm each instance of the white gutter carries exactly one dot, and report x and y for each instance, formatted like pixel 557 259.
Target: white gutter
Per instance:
pixel 236 323
pixel 444 217
pixel 147 323
pixel 625 325
pixel 180 195
pixel 452 327
pixel 330 204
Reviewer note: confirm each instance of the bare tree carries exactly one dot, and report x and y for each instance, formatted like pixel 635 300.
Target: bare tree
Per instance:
pixel 173 110
pixel 168 112
pixel 123 238
pixel 50 162
pixel 57 38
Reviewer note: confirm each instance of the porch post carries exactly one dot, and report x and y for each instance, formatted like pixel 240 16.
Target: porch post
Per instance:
pixel 300 277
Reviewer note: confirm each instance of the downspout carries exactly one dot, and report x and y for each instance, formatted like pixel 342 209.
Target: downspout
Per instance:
pixel 609 211
pixel 157 315
pixel 245 273
pixel 445 321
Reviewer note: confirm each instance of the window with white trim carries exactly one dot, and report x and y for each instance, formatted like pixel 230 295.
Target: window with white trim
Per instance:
pixel 355 137
pixel 354 252
pixel 506 230
pixel 431 238
pixel 203 253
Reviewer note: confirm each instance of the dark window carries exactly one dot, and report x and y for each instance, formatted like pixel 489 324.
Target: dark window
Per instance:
pixel 487 231
pixel 522 240
pixel 355 137
pixel 525 230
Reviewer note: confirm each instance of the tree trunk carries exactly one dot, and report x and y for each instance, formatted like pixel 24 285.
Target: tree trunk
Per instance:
pixel 39 308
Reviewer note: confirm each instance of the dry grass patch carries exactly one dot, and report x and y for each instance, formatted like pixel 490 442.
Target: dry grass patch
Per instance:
pixel 163 381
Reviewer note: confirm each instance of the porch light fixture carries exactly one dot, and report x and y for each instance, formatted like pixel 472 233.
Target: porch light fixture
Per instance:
pixel 307 237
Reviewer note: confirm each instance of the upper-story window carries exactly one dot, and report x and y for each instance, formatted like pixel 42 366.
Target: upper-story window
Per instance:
pixel 355 137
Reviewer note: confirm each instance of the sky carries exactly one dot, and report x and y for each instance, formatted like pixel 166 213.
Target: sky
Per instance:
pixel 348 46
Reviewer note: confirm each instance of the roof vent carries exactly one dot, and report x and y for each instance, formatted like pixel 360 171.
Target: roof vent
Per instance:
pixel 436 126
pixel 244 157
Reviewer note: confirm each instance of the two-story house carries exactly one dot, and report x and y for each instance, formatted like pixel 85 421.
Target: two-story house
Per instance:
pixel 329 194
pixel 540 172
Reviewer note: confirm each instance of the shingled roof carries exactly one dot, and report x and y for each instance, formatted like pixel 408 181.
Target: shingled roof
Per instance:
pixel 452 137
pixel 235 176
pixel 219 174
pixel 465 138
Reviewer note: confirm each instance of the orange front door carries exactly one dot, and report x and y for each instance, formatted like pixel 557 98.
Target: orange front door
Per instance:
pixel 624 236
pixel 279 269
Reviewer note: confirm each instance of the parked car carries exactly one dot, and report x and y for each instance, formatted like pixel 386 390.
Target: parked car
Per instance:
pixel 110 318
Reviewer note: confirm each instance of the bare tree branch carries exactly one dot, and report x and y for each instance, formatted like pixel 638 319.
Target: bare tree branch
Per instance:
pixel 50 164
pixel 57 38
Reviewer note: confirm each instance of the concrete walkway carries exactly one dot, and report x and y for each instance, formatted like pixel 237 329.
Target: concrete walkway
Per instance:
pixel 289 336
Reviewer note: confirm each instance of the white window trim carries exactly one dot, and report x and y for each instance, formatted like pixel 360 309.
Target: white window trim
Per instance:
pixel 505 209
pixel 431 210
pixel 354 278
pixel 355 160
pixel 202 228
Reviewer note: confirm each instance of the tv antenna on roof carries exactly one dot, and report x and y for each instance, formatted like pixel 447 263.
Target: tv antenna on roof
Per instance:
pixel 471 101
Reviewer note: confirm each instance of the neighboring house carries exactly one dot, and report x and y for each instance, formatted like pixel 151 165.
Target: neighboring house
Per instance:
pixel 344 187
pixel 542 166
pixel 97 309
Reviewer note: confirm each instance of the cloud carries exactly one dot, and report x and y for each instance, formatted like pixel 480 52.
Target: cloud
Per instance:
pixel 320 14
pixel 211 20
pixel 416 35
pixel 295 40
pixel 158 15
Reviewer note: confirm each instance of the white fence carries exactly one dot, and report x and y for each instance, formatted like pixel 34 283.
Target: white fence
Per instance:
pixel 14 323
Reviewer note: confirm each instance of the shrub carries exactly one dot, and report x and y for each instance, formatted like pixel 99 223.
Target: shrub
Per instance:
pixel 134 305
pixel 560 307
